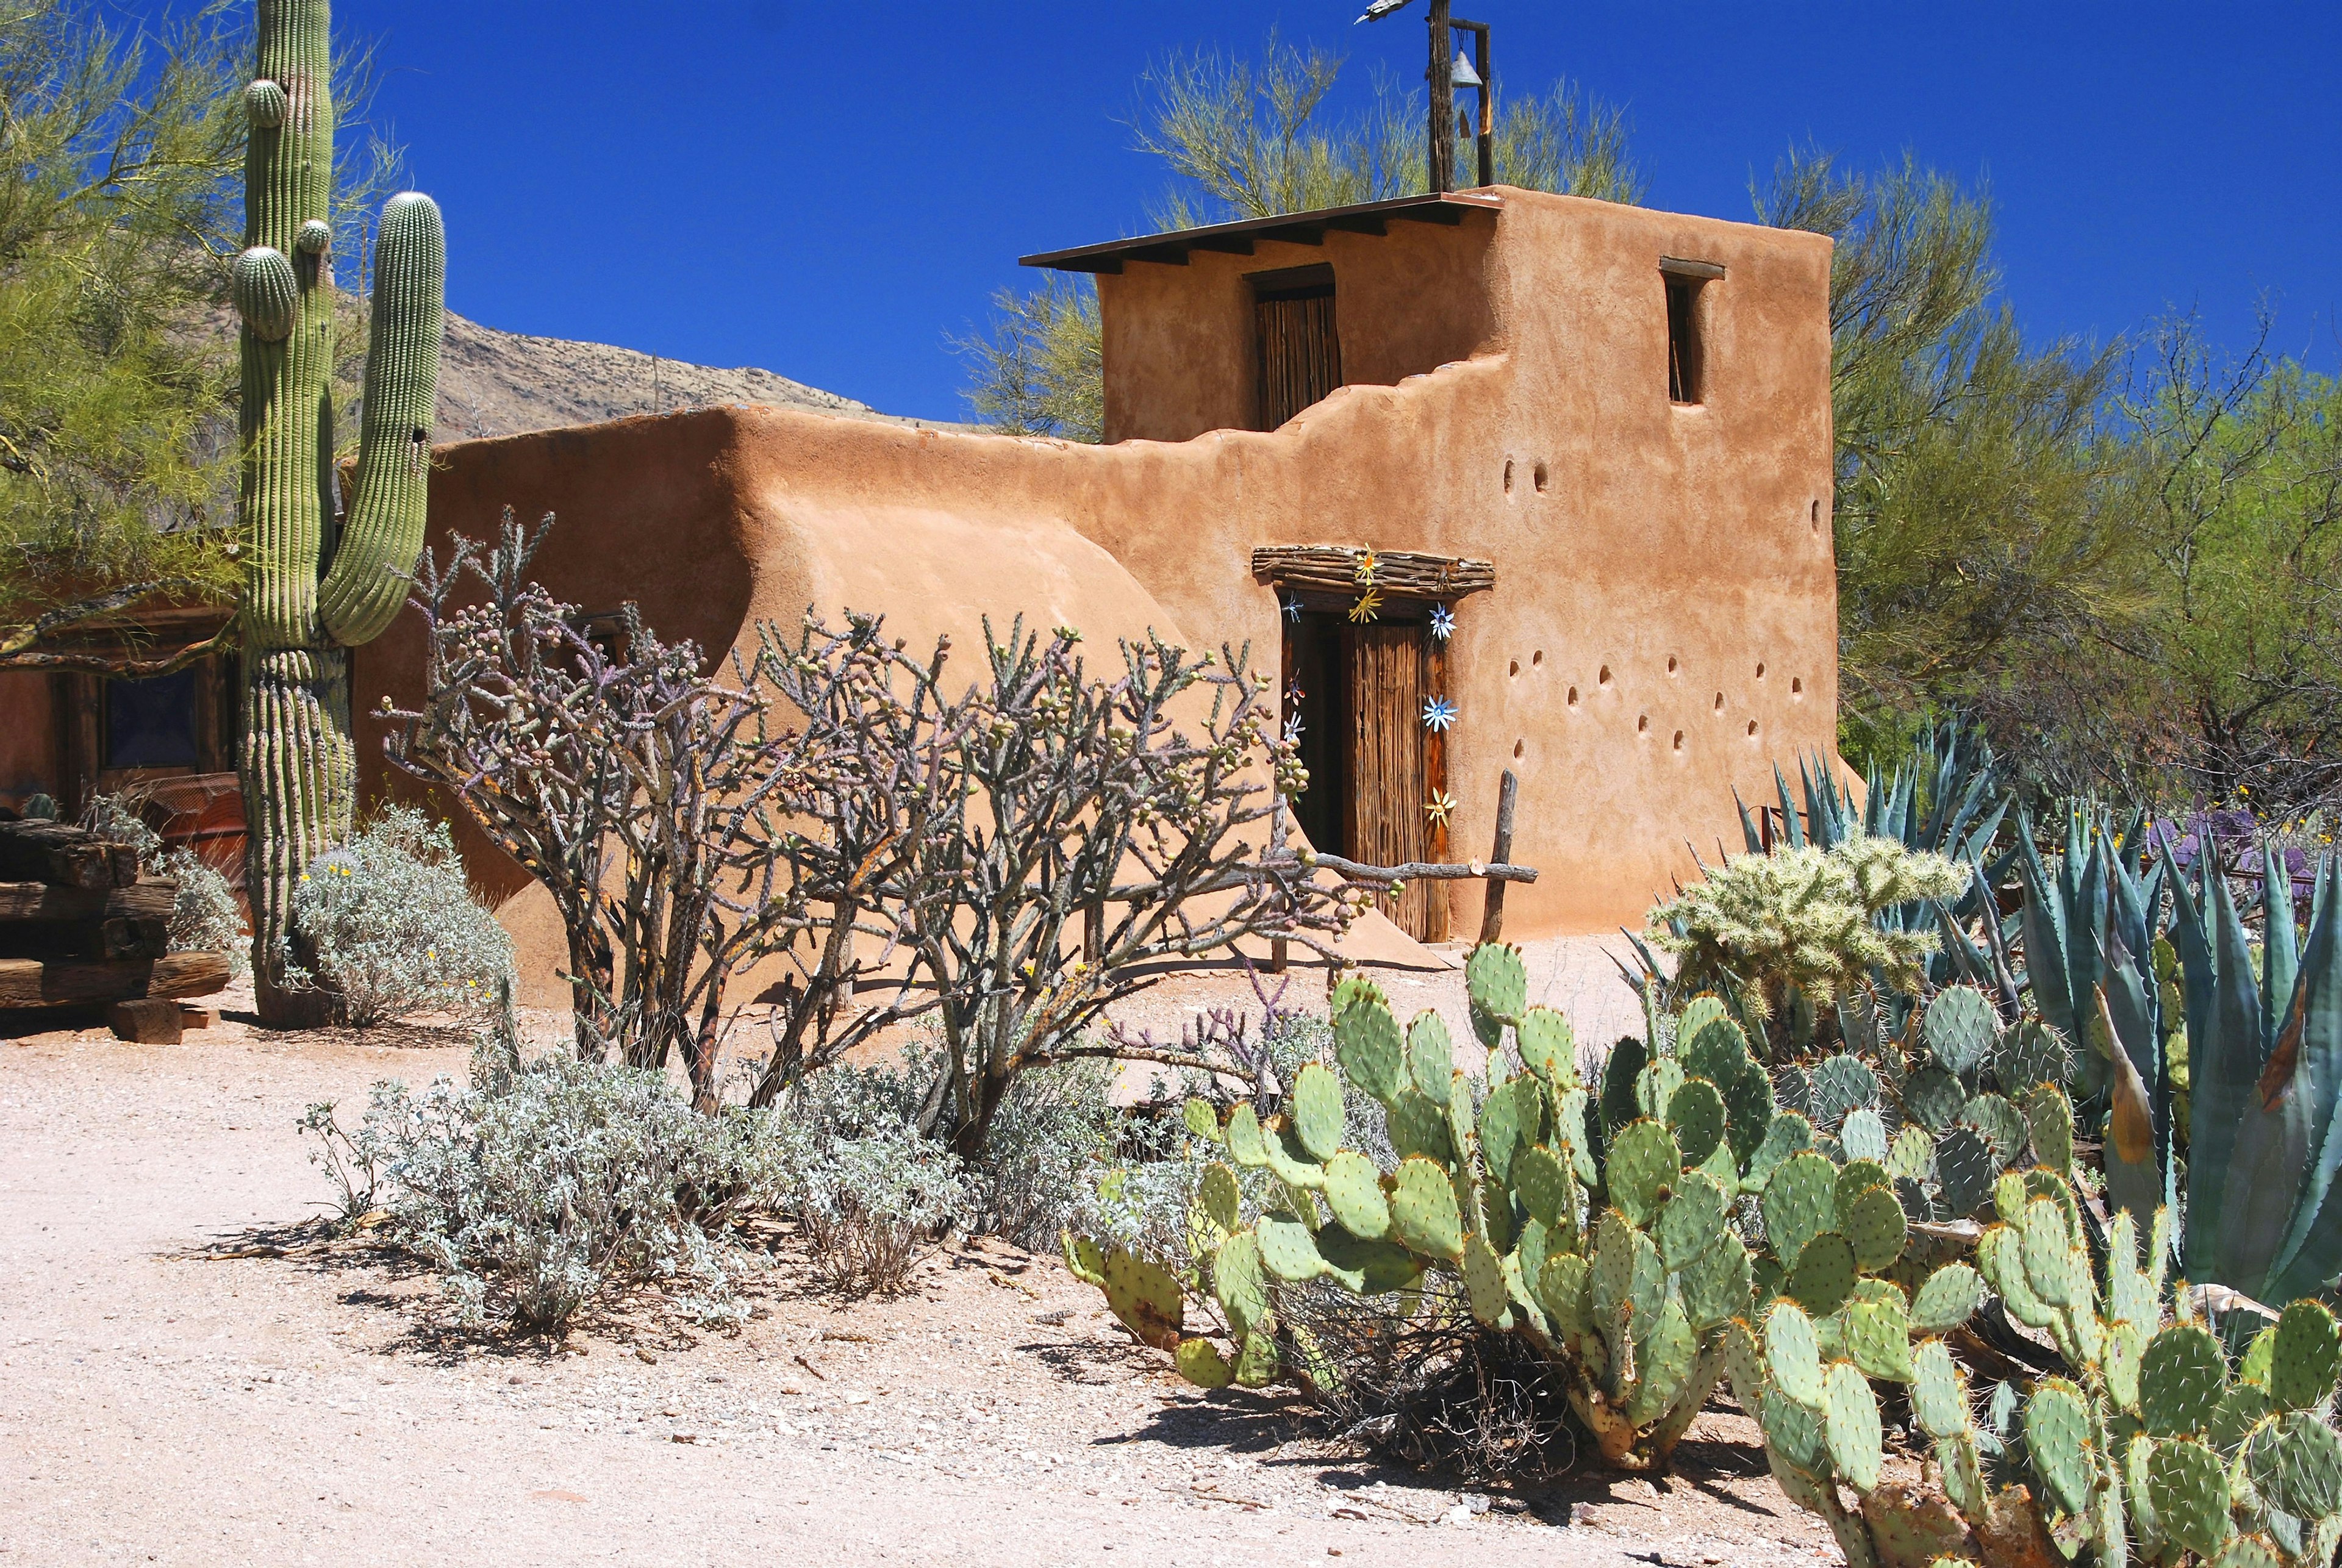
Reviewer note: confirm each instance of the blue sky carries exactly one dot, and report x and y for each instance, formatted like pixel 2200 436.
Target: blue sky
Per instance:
pixel 757 181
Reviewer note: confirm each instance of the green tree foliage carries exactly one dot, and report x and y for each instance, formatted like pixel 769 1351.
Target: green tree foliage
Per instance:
pixel 121 153
pixel 1246 139
pixel 1973 523
pixel 2233 503
pixel 115 153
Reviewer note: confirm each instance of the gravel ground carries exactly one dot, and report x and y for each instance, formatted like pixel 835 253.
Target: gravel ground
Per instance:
pixel 160 1401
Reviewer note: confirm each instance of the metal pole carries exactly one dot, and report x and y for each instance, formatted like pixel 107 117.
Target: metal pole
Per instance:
pixel 1443 100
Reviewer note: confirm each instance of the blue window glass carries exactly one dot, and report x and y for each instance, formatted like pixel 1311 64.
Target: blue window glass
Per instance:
pixel 151 724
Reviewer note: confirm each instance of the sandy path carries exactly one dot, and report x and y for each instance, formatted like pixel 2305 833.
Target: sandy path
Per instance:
pixel 158 1408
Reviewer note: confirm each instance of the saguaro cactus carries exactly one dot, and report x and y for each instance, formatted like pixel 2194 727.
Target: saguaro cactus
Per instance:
pixel 321 583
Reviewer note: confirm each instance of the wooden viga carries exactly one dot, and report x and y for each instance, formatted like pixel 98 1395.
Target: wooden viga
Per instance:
pixel 81 928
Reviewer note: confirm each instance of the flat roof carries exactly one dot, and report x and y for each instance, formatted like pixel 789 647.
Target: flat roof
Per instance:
pixel 1294 228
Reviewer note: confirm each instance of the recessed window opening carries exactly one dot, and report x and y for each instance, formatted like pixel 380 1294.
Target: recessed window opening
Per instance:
pixel 1299 347
pixel 1687 350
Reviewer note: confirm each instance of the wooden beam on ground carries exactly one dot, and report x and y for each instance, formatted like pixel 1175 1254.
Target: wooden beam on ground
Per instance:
pixel 146 1021
pixel 63 856
pixel 37 983
pixel 148 898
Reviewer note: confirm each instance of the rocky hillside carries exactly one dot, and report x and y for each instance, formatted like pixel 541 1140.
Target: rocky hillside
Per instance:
pixel 496 383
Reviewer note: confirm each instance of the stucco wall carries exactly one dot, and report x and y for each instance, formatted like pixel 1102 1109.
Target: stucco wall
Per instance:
pixel 1179 340
pixel 1662 572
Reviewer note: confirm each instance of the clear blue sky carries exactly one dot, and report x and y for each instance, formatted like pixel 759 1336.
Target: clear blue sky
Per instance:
pixel 754 182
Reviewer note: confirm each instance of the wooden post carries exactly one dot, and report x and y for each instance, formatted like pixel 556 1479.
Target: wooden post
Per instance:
pixel 1487 105
pixel 1277 955
pixel 1443 100
pixel 1492 907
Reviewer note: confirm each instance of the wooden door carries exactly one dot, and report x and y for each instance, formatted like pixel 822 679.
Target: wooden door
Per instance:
pixel 1391 768
pixel 1300 354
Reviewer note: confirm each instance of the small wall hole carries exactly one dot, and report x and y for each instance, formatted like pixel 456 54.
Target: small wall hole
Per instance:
pixel 1541 477
pixel 1752 728
pixel 1719 701
pixel 1761 669
pixel 1643 724
pixel 1603 678
pixel 1818 516
pixel 1678 740
pixel 1518 747
pixel 1796 687
pixel 1515 668
pixel 1671 663
pixel 1536 660
pixel 1573 696
pixel 1508 476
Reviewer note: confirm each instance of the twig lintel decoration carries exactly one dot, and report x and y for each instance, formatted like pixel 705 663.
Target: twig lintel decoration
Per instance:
pixel 1334 569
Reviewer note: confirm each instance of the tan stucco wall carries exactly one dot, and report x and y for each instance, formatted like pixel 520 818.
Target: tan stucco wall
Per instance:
pixel 1178 340
pixel 1686 552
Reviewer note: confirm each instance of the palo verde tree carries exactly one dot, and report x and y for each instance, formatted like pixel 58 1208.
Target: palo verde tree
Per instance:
pixel 121 156
pixel 1247 140
pixel 322 579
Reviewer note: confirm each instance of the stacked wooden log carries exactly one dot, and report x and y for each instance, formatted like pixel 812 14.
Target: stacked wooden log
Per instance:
pixel 80 927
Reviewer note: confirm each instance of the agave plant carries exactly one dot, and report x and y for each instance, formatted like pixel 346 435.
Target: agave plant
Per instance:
pixel 2265 1076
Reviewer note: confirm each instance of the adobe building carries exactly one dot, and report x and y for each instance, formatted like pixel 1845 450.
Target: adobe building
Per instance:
pixel 1588 447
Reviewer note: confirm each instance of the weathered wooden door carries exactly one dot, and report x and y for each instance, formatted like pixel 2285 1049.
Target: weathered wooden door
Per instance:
pixel 1391 768
pixel 1300 350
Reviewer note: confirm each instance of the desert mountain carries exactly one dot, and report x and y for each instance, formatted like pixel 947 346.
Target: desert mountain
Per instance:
pixel 496 383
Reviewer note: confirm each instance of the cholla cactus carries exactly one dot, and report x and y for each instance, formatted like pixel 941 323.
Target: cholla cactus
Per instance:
pixel 1805 922
pixel 1600 1226
pixel 2149 1446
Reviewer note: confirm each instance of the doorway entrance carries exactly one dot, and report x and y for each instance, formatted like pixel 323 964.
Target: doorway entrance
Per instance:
pixel 1299 353
pixel 1358 692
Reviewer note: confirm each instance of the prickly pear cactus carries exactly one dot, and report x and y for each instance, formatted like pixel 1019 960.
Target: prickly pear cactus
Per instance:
pixel 2148 1447
pixel 321 583
pixel 1599 1223
pixel 1945 1108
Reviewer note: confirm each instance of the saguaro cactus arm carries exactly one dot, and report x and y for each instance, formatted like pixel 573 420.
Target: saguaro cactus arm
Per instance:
pixel 367 582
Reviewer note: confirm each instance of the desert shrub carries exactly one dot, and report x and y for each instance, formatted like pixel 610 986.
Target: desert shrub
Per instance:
pixel 205 917
pixel 389 924
pixel 1419 1380
pixel 544 1191
pixel 870 1191
pixel 1054 1137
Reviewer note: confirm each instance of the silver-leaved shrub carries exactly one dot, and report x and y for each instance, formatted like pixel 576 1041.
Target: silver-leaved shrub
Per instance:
pixel 547 1190
pixel 388 923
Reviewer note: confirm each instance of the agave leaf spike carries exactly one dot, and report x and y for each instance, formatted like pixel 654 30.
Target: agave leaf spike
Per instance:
pixel 2043 918
pixel 2273 1140
pixel 1793 825
pixel 2280 945
pixel 2299 1268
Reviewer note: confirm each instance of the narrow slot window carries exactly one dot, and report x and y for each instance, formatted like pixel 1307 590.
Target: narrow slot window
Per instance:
pixel 1687 283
